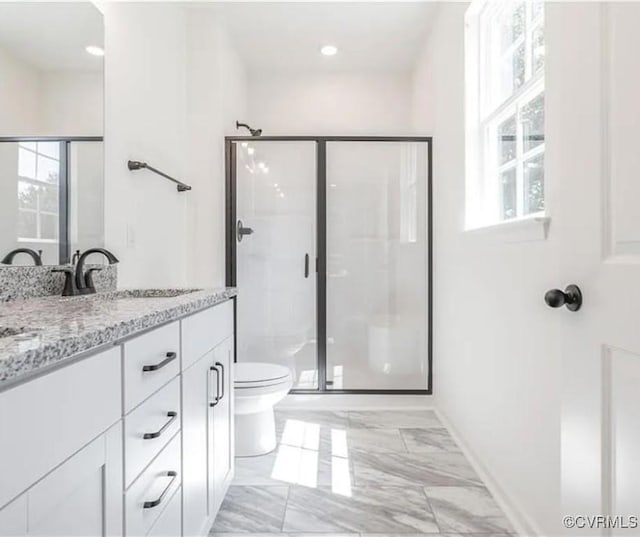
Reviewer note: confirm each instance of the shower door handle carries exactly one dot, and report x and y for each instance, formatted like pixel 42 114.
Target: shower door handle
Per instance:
pixel 306 265
pixel 241 231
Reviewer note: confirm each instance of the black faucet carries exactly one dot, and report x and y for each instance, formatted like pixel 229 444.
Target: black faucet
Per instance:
pixel 82 283
pixel 37 257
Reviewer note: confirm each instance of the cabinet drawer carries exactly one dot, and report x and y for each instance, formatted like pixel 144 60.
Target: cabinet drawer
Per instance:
pixel 44 421
pixel 149 427
pixel 169 523
pixel 149 495
pixel 203 331
pixel 149 362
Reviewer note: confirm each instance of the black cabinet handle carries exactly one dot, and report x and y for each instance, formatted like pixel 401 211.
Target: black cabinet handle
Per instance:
pixel 571 297
pixel 306 265
pixel 217 398
pixel 158 501
pixel 171 356
pixel 222 368
pixel 172 417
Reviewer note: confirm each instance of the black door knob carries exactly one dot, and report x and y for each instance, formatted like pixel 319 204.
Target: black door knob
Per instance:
pixel 571 297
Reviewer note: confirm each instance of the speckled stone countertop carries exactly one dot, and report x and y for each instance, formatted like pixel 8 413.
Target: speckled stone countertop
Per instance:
pixel 51 330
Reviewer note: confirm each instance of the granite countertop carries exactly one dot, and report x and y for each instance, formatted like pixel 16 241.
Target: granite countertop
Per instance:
pixel 54 329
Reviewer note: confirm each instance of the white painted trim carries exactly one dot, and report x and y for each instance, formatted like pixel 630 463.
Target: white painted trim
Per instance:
pixel 520 521
pixel 356 402
pixel 534 228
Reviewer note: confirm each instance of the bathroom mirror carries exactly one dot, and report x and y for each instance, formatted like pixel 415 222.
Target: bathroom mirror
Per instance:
pixel 51 129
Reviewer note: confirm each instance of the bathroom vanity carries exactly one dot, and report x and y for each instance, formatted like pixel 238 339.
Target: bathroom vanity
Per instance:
pixel 116 413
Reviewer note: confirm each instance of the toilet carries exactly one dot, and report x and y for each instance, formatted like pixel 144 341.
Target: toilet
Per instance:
pixel 258 387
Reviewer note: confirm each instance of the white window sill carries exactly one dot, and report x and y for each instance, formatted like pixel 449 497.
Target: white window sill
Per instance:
pixel 534 228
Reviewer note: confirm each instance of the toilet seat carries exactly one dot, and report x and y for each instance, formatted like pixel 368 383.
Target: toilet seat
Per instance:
pixel 258 386
pixel 252 375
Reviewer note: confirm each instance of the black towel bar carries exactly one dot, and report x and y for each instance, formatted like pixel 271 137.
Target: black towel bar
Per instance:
pixel 137 165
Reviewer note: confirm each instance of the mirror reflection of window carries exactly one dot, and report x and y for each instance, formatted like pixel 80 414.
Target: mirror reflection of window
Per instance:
pixel 38 191
pixel 51 129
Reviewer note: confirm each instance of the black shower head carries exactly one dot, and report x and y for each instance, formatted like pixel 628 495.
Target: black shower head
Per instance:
pixel 254 132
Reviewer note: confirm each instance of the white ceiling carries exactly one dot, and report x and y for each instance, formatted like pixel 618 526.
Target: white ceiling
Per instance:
pixel 52 35
pixel 287 36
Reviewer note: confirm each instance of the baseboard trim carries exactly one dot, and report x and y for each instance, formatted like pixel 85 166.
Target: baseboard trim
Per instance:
pixel 356 402
pixel 523 525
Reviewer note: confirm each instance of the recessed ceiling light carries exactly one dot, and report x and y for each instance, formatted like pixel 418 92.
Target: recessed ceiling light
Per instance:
pixel 95 50
pixel 329 50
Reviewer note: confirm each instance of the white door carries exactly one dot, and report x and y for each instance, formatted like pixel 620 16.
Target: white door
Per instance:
pixel 593 179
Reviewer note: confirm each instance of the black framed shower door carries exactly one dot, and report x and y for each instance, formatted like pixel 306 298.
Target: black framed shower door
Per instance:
pixel 231 246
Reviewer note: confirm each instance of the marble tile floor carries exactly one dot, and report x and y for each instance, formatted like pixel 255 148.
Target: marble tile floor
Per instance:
pixel 359 474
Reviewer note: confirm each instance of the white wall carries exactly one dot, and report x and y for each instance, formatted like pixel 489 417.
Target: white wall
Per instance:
pixel 216 98
pixel 72 103
pixel 173 87
pixel 19 89
pixel 145 119
pixel 496 356
pixel 34 102
pixel 330 103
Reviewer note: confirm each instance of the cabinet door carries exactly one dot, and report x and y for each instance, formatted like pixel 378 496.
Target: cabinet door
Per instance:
pixel 13 518
pixel 81 497
pixel 169 522
pixel 196 394
pixel 222 422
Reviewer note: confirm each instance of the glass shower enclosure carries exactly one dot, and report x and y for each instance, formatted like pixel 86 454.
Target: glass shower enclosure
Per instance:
pixel 329 243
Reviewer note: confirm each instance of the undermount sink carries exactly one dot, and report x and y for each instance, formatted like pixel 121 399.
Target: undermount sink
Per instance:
pixel 150 293
pixel 9 331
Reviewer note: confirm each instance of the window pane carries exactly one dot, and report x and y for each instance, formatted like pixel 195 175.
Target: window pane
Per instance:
pixel 537 49
pixel 533 123
pixel 507 140
pixel 27 226
pixel 48 169
pixel 26 163
pixel 28 145
pixel 537 8
pixel 50 149
pixel 27 195
pixel 512 23
pixel 534 185
pixel 512 72
pixel 49 199
pixel 509 194
pixel 48 226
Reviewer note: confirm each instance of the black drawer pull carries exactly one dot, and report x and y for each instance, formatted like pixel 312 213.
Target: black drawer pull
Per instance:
pixel 172 417
pixel 171 356
pixel 222 368
pixel 158 501
pixel 217 398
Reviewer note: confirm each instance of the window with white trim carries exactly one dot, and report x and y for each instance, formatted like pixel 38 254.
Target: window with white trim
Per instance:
pixel 38 186
pixel 504 82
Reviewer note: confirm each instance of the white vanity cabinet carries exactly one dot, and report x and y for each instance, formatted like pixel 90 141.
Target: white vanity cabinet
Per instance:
pixel 82 497
pixel 133 441
pixel 207 415
pixel 61 446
